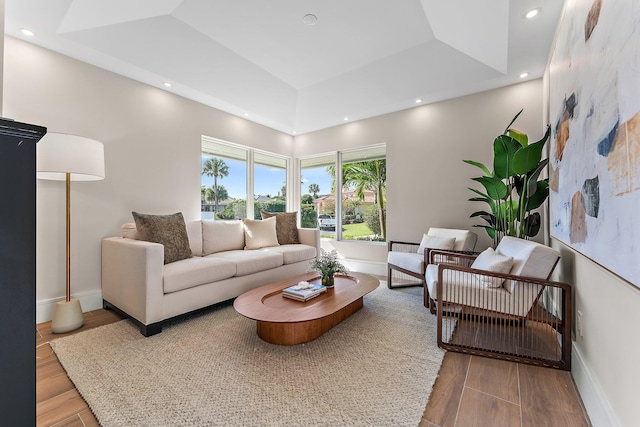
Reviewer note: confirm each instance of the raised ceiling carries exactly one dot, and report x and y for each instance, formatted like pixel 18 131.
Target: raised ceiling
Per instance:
pixel 257 59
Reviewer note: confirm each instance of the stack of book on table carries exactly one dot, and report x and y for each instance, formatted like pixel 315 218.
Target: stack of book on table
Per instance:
pixel 303 291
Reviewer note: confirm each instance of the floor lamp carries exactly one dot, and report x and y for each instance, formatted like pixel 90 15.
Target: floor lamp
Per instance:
pixel 63 157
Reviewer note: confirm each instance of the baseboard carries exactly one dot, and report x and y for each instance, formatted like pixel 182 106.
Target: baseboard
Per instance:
pixel 369 267
pixel 595 402
pixel 88 301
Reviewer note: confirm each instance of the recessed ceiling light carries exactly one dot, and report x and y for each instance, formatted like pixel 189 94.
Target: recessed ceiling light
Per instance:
pixel 523 75
pixel 246 114
pixel 310 19
pixel 532 13
pixel 294 132
pixel 166 84
pixel 418 101
pixel 346 118
pixel 27 32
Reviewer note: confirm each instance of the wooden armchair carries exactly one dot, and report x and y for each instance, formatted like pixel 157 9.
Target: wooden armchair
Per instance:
pixel 510 311
pixel 411 258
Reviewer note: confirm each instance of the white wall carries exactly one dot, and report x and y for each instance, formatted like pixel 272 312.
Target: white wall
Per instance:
pixel 605 358
pixel 426 178
pixel 152 157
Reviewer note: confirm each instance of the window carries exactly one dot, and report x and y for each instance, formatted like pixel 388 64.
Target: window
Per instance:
pixel 270 183
pixel 231 171
pixel 364 193
pixel 360 213
pixel 317 201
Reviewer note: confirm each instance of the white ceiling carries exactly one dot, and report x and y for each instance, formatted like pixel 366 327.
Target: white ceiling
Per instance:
pixel 257 59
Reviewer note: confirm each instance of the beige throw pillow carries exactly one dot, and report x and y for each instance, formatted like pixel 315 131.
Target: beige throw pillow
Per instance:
pixel 286 226
pixel 434 242
pixel 492 261
pixel 260 234
pixel 168 230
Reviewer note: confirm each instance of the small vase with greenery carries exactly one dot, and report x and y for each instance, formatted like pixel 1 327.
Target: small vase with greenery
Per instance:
pixel 513 190
pixel 328 265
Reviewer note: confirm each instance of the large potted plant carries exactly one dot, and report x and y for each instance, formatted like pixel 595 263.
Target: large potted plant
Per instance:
pixel 514 189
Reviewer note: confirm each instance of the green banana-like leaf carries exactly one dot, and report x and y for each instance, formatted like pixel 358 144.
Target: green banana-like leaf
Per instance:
pixel 479 165
pixel 504 149
pixel 506 130
pixel 490 230
pixel 535 200
pixel 530 179
pixel 496 189
pixel 489 218
pixel 527 158
pixel 483 198
pixel 532 224
pixel 521 137
pixel 508 210
pixel 479 213
pixel 478 192
pixel 488 201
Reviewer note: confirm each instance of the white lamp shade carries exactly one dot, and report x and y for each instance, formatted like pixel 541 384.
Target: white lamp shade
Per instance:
pixel 59 154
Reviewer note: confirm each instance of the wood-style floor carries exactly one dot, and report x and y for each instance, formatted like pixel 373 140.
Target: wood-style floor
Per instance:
pixel 470 390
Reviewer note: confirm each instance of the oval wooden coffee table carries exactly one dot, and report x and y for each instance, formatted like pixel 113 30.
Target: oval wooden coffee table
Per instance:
pixel 284 321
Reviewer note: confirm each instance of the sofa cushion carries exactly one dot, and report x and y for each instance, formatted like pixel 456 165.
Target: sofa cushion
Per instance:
pixel 195 271
pixel 260 233
pixel 194 231
pixel 294 253
pixel 218 236
pixel 248 262
pixel 408 260
pixel 286 226
pixel 168 230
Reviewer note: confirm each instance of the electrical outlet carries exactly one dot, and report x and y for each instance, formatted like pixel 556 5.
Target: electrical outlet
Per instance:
pixel 580 324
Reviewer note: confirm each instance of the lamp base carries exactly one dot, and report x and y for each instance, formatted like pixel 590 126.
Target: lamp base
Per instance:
pixel 67 316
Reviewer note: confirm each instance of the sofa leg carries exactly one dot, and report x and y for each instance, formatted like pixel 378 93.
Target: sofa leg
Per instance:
pixel 152 329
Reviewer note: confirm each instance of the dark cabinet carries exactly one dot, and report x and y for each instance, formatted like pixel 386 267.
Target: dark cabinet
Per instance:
pixel 18 271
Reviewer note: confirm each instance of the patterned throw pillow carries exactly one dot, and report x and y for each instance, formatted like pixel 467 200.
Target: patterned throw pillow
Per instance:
pixel 168 230
pixel 286 226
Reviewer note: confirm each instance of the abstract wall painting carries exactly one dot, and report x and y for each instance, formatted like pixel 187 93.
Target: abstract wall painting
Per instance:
pixel 594 93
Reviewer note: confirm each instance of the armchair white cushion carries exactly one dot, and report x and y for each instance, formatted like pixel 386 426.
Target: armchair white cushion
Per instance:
pixel 435 242
pixel 409 258
pixel 492 261
pixel 530 259
pixel 465 239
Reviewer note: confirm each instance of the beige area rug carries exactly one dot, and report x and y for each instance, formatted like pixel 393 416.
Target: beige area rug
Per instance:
pixel 377 368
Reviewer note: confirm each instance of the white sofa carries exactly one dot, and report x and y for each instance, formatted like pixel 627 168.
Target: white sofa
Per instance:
pixel 137 283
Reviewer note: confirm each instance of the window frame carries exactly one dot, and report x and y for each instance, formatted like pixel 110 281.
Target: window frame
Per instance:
pixel 250 164
pixel 338 155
